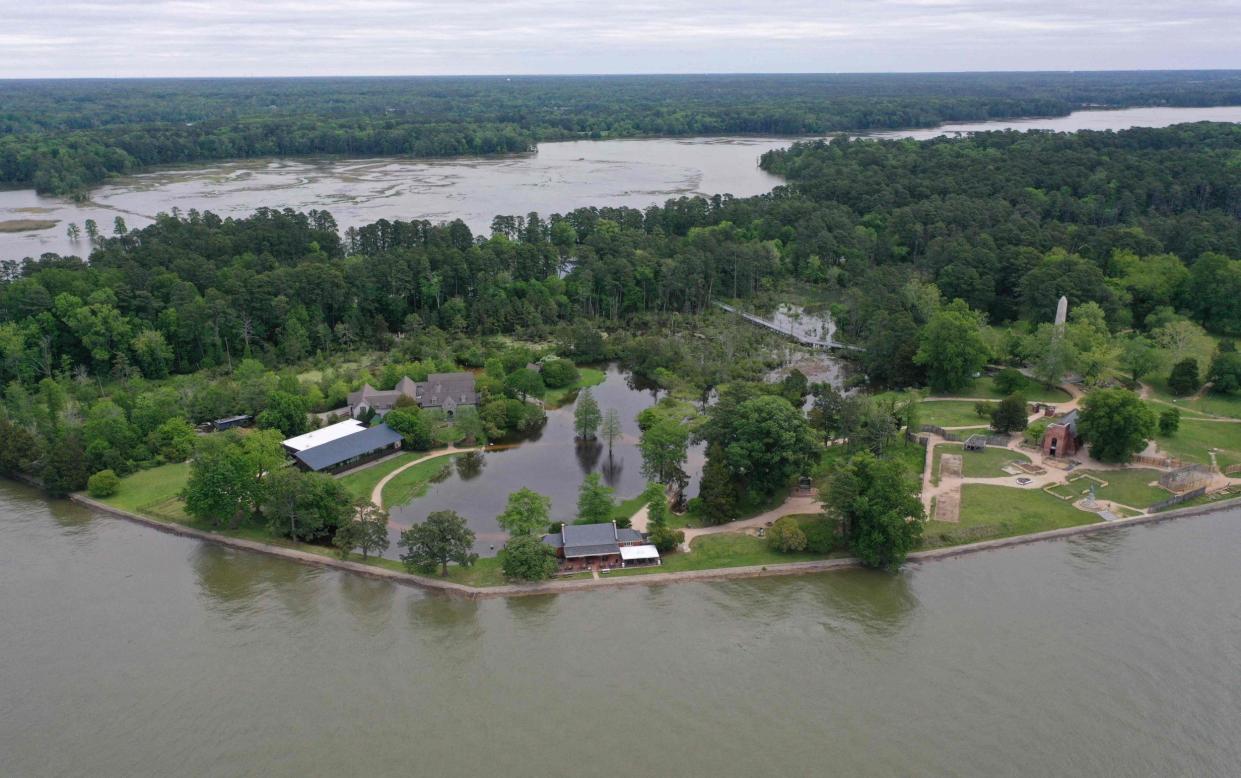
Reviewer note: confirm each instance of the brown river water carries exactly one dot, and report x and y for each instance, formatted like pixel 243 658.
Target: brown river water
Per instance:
pixel 128 652
pixel 556 178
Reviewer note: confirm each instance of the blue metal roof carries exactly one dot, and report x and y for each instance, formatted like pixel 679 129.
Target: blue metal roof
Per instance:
pixel 343 449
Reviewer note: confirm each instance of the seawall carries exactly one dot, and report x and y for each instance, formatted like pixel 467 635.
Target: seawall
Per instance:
pixel 649 579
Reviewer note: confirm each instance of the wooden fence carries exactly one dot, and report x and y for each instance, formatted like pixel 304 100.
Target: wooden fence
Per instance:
pixel 1178 499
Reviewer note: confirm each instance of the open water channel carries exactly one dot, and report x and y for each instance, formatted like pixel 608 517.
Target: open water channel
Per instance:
pixel 128 652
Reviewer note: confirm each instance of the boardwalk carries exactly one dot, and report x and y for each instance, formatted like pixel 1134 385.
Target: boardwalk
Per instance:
pixel 812 342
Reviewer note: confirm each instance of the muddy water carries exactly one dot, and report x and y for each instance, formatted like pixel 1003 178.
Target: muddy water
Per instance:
pixel 127 652
pixel 551 463
pixel 556 178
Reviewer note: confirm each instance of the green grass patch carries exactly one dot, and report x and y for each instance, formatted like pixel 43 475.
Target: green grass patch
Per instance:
pixel 361 483
pixel 988 463
pixel 1033 391
pixel 411 484
pixel 1128 487
pixel 1196 436
pixel 989 512
pixel 950 413
pixel 625 509
pixel 729 550
pixel 586 376
pixel 147 488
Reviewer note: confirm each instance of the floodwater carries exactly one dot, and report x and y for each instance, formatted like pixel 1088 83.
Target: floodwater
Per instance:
pixel 125 652
pixel 553 463
pixel 556 178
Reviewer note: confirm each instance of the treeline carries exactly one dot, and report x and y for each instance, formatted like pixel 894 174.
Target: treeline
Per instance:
pixel 64 136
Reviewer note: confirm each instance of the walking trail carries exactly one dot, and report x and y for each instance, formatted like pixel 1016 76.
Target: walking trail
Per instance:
pixel 377 494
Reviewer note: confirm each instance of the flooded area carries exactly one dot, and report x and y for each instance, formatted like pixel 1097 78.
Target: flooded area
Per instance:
pixel 131 652
pixel 553 463
pixel 556 178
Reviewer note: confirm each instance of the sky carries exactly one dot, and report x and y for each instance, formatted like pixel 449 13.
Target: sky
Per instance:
pixel 135 38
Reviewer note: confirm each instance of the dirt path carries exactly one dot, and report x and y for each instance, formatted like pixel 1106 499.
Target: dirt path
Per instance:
pixel 791 506
pixel 377 494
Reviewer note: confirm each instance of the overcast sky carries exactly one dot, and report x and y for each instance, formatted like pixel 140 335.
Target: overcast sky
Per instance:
pixel 50 38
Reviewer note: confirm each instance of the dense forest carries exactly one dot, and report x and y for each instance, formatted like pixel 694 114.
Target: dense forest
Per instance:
pixel 64 136
pixel 961 243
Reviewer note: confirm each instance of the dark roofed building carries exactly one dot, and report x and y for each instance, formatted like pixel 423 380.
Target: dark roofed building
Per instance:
pixel 580 546
pixel 446 391
pixel 349 450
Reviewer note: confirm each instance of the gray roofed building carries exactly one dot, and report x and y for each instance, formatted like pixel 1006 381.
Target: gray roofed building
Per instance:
pixel 575 541
pixel 349 450
pixel 446 391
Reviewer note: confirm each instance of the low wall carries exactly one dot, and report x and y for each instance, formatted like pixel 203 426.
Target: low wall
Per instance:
pixel 651 579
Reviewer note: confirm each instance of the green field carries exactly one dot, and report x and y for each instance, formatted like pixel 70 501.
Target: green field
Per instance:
pixel 361 483
pixel 1127 487
pixel 987 463
pixel 950 413
pixel 1033 391
pixel 1227 405
pixel 586 376
pixel 989 512
pixel 1195 436
pixel 411 484
pixel 147 489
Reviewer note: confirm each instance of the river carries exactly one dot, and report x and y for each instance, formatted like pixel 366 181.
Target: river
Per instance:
pixel 130 652
pixel 556 178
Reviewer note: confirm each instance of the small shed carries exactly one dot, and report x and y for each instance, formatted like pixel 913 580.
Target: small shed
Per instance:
pixel 976 443
pixel 220 425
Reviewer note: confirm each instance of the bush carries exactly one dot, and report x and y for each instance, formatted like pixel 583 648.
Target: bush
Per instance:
pixel 1009 415
pixel 666 539
pixel 1169 421
pixel 786 536
pixel 1009 381
pixel 820 536
pixel 559 373
pixel 105 483
pixel 1185 379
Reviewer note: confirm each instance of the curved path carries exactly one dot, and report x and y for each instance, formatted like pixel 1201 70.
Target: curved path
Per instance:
pixel 377 494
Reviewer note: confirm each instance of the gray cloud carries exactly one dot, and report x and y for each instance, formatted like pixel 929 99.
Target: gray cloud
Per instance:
pixel 391 37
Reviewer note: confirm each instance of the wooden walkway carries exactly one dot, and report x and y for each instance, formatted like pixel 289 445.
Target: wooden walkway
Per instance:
pixel 812 342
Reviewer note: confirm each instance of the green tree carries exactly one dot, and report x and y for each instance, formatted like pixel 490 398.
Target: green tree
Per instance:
pixel 227 473
pixel 718 491
pixel 611 429
pixel 528 558
pixel 1138 357
pixel 772 443
pixel 444 537
pixel 1185 379
pixel 664 447
pixel 413 425
pixel 1169 421
pixel 173 439
pixel 368 531
pixel 1225 373
pixel 952 348
pixel 1009 415
pixel 559 373
pixel 1116 424
pixel 1010 381
pixel 152 353
pixel 586 416
pixel 64 469
pixel 105 483
pixel 526 513
pixel 285 412
pixel 524 383
pixel 305 506
pixel 878 504
pixel 786 536
pixel 594 501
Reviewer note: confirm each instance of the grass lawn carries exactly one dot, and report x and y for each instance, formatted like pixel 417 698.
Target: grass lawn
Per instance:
pixel 148 488
pixel 1033 391
pixel 586 376
pixel 1196 436
pixel 987 463
pixel 989 512
pixel 1228 405
pixel 1128 487
pixel 730 550
pixel 950 413
pixel 362 482
pixel 413 483
pixel 627 508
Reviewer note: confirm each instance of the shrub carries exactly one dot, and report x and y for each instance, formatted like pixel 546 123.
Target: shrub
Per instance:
pixel 786 535
pixel 666 539
pixel 105 483
pixel 820 536
pixel 1169 421
pixel 1009 381
pixel 559 373
pixel 1185 379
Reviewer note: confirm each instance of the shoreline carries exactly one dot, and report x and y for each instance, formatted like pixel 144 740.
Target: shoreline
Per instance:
pixel 649 579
